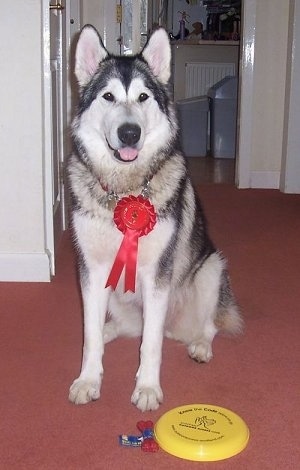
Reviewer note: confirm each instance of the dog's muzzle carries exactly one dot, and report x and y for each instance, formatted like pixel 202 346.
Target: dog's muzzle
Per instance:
pixel 129 135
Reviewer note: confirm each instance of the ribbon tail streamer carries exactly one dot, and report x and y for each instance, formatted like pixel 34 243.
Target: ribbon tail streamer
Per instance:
pixel 131 262
pixel 126 257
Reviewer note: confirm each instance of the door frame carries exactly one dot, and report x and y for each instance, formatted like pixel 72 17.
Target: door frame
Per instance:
pixel 47 138
pixel 246 88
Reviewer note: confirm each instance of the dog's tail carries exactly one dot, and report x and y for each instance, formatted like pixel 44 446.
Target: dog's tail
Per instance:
pixel 229 320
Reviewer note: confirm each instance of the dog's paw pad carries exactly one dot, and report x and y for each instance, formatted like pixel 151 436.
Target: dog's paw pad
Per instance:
pixel 147 398
pixel 84 391
pixel 200 352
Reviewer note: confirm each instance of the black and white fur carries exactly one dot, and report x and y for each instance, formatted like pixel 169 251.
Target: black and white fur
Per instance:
pixel 125 133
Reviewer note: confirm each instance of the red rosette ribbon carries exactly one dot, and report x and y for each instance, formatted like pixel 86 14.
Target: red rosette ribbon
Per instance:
pixel 135 217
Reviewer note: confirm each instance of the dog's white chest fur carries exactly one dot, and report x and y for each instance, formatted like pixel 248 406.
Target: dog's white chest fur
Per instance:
pixel 100 239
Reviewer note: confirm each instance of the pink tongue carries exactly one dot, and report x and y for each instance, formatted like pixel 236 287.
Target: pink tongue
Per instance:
pixel 128 153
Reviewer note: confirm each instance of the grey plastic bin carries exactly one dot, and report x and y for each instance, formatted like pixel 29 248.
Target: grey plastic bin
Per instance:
pixel 223 115
pixel 193 122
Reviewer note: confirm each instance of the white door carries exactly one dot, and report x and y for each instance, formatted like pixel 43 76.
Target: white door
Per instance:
pixel 58 29
pixel 134 25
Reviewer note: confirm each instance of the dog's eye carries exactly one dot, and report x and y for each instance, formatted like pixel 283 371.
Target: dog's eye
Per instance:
pixel 143 97
pixel 109 97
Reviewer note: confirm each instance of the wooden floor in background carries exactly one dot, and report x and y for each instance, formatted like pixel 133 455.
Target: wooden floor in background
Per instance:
pixel 211 170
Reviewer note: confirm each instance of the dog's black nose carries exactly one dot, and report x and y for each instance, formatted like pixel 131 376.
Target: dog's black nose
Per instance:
pixel 129 134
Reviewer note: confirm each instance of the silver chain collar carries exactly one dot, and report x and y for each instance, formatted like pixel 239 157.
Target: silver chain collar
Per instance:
pixel 113 197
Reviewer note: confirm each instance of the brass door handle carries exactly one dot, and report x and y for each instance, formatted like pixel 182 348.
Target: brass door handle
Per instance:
pixel 57 7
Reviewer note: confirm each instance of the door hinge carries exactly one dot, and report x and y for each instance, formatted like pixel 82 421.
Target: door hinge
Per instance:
pixel 58 6
pixel 119 13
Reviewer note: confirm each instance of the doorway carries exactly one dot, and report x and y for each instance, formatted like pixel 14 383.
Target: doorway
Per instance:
pixel 209 53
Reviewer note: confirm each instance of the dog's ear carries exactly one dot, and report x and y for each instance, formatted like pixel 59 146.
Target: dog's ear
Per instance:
pixel 157 53
pixel 89 53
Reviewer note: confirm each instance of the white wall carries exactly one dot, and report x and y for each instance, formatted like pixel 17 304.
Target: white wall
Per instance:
pixel 21 142
pixel 265 118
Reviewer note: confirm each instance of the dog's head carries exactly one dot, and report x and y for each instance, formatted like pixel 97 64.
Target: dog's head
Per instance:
pixel 124 112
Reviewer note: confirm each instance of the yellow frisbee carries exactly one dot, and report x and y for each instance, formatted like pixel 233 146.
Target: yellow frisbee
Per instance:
pixel 201 432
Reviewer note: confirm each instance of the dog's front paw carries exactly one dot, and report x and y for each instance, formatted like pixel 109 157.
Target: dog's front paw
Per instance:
pixel 147 398
pixel 83 391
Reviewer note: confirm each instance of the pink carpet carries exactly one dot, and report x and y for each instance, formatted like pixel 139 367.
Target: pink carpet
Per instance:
pixel 256 375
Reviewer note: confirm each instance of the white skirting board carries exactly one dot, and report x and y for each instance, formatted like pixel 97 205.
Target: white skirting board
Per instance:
pixel 24 267
pixel 265 179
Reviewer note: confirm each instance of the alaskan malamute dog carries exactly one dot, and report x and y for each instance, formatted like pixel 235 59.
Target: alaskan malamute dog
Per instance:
pixel 147 265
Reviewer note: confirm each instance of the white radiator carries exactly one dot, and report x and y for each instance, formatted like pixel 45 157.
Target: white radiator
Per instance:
pixel 200 76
